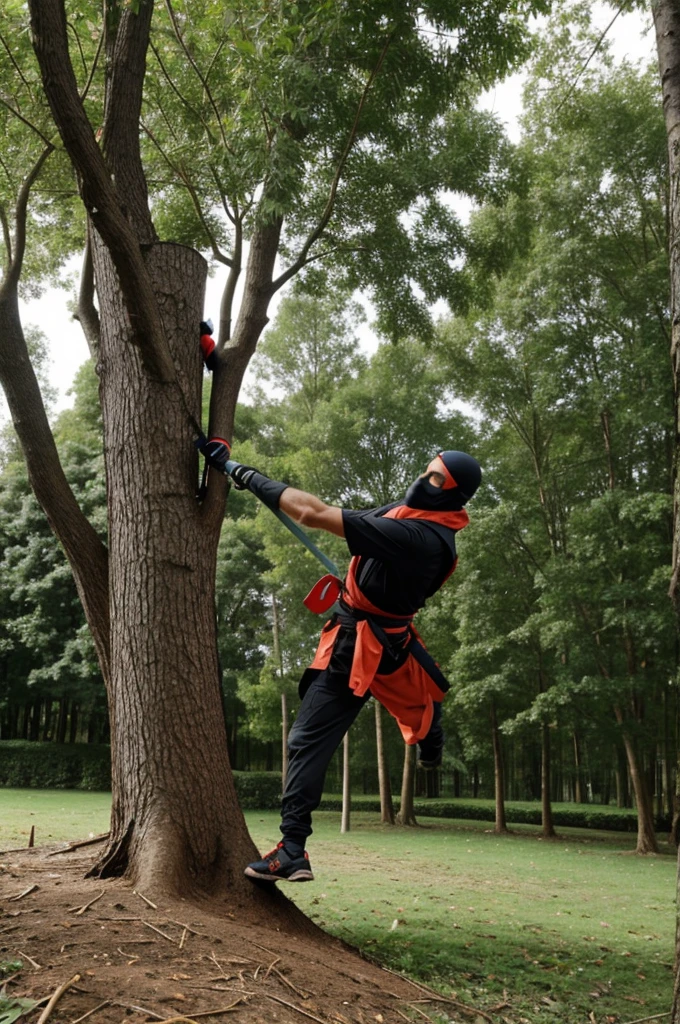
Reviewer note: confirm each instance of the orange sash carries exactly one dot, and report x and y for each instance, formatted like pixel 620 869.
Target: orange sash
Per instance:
pixel 408 692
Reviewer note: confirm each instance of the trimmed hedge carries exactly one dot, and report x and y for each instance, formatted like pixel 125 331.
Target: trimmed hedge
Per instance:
pixel 588 816
pixel 24 764
pixel 32 765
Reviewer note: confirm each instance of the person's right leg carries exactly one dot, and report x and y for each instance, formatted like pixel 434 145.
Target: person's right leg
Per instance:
pixel 327 711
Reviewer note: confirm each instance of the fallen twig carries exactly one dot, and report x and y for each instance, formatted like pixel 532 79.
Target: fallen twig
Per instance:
pixel 125 953
pixel 181 941
pixel 86 906
pixel 139 1009
pixel 143 897
pixel 421 1012
pixel 284 979
pixel 56 996
pixel 402 1015
pixel 81 842
pixel 253 943
pixel 656 1016
pixel 159 932
pixel 273 964
pixel 180 924
pixel 219 988
pixel 30 960
pixel 90 1012
pixel 292 1006
pixel 463 1007
pixel 100 918
pixel 20 895
pixel 434 997
pixel 204 1013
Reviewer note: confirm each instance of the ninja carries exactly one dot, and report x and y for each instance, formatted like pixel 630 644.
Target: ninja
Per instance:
pixel 402 554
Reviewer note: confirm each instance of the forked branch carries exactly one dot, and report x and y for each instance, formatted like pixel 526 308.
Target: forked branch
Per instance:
pixel 99 193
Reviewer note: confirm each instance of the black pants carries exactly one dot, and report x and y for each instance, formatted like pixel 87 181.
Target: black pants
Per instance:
pixel 327 711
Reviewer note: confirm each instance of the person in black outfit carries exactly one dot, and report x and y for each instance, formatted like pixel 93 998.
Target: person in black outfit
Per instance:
pixel 402 554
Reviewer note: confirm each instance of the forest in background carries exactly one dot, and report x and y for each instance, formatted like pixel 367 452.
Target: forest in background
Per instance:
pixel 556 630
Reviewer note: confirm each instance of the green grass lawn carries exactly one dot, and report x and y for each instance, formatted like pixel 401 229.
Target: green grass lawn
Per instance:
pixel 555 930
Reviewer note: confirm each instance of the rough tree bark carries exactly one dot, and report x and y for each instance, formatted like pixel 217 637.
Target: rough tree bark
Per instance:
pixel 666 15
pixel 667 29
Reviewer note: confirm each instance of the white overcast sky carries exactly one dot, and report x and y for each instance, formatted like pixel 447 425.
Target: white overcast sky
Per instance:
pixel 631 36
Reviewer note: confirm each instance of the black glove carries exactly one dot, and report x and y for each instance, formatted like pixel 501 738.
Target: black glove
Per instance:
pixel 241 474
pixel 216 452
pixel 268 491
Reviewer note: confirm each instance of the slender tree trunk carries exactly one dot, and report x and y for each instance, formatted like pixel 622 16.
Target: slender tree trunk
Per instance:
pixel 278 658
pixel 501 824
pixel 386 804
pixel 346 788
pixel 48 719
pixel 547 827
pixel 284 740
pixel 407 814
pixel 646 836
pixel 73 724
pixel 62 720
pixel 578 790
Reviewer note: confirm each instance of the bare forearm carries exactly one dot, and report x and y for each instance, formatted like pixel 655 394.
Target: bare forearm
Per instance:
pixel 310 511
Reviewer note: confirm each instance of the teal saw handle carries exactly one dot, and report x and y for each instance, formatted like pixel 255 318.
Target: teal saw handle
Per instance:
pixel 297 531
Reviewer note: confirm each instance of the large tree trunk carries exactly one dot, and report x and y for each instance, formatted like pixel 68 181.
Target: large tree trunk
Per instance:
pixel 501 824
pixel 407 814
pixel 666 15
pixel 175 817
pixel 386 804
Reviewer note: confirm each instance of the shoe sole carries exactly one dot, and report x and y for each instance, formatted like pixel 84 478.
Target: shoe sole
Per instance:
pixel 297 876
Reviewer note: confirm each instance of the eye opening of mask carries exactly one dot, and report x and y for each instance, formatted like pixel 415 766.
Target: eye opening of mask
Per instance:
pixel 435 478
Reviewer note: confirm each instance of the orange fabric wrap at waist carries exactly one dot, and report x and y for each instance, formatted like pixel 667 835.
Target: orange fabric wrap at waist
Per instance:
pixel 407 693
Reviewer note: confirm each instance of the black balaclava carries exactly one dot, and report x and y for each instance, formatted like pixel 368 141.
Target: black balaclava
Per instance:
pixel 464 476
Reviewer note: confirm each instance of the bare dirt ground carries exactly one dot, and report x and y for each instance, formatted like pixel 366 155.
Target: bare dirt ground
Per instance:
pixel 158 959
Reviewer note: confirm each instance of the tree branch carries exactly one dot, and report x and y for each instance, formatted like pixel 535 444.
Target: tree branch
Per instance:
pixel 14 272
pixel 192 110
pixel 95 62
pixel 85 551
pixel 15 65
pixel 227 303
pixel 25 121
pixel 330 203
pixel 192 62
pixel 7 238
pixel 98 192
pixel 182 175
pixel 86 313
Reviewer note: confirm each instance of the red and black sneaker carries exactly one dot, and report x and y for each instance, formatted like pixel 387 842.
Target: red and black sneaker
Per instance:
pixel 279 866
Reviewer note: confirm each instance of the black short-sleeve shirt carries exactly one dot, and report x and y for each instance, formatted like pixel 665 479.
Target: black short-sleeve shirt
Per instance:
pixel 402 562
